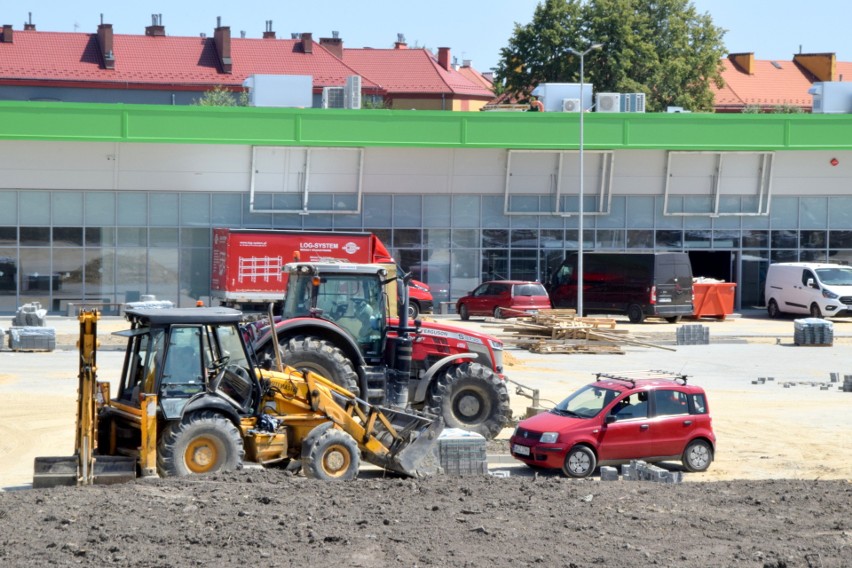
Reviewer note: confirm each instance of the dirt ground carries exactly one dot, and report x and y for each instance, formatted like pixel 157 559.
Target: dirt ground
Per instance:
pixel 778 495
pixel 272 518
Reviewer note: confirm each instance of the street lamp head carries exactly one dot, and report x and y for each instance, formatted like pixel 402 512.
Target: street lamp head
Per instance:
pixel 595 46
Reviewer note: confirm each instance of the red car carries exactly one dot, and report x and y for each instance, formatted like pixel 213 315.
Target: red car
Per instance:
pixel 504 298
pixel 651 415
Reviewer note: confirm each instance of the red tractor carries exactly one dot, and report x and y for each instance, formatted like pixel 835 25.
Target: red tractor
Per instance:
pixel 337 321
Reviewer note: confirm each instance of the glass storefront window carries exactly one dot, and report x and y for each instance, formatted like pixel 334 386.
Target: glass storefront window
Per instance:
pixel 407 238
pixel 465 211
pixel 784 239
pixel 610 239
pixel 8 207
pixel 465 238
pixel 495 238
pixel 9 236
pixel 813 239
pixel 726 239
pixel 437 238
pixel 195 209
pixel 100 272
pixel 755 239
pixel 552 239
pixel 227 209
pixel 640 239
pixel 35 207
pixel 100 208
pixel 35 236
pixel 669 239
pixel 195 238
pixel 165 208
pixel 840 239
pixel 524 238
pixel 377 211
pixel 68 236
pixel 407 211
pixel 163 237
pixel 67 208
pixel 132 237
pixel 436 211
pixel 133 209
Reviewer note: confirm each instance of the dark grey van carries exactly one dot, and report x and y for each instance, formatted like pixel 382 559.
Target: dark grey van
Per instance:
pixel 638 284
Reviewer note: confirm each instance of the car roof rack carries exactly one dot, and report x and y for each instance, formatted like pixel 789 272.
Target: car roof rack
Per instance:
pixel 633 376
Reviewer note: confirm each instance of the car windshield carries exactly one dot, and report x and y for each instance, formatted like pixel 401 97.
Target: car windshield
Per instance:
pixel 839 276
pixel 586 402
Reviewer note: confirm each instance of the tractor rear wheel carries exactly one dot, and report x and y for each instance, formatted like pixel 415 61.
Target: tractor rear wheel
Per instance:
pixel 204 442
pixel 323 358
pixel 472 397
pixel 331 455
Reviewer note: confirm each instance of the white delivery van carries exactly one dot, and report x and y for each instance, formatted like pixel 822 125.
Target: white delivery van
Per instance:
pixel 817 289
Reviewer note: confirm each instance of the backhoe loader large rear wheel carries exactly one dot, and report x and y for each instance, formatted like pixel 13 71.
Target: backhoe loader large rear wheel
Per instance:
pixel 472 397
pixel 204 442
pixel 330 454
pixel 321 357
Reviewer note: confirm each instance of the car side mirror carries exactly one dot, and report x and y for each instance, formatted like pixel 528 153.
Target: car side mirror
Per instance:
pixel 610 418
pixel 811 283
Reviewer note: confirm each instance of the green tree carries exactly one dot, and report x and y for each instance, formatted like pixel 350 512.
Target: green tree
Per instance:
pixel 663 48
pixel 220 96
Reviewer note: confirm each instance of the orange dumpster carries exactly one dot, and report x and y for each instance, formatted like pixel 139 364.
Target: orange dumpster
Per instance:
pixel 713 299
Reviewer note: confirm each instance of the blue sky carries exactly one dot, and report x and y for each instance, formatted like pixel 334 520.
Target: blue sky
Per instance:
pixel 473 29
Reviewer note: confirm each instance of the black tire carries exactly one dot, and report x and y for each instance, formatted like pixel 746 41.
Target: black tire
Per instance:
pixel 464 314
pixel 323 358
pixel 635 313
pixel 472 397
pixel 697 456
pixel 413 310
pixel 332 455
pixel 815 311
pixel 673 319
pixel 498 314
pixel 204 442
pixel 773 310
pixel 580 461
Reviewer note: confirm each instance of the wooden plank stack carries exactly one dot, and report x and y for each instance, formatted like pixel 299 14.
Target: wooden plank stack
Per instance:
pixel 562 331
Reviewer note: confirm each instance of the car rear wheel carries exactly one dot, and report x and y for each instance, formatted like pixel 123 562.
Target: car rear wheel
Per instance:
pixel 815 311
pixel 697 456
pixel 772 309
pixel 635 313
pixel 464 314
pixel 498 313
pixel 579 462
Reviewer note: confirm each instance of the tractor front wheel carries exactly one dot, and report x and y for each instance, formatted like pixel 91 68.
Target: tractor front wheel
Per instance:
pixel 472 397
pixel 330 455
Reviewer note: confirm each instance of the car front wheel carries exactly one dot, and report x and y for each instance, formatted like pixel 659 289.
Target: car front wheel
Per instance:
pixel 697 456
pixel 773 310
pixel 464 314
pixel 579 462
pixel 815 311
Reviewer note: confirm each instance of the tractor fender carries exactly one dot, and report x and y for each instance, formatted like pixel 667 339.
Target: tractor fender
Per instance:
pixel 208 402
pixel 317 328
pixel 424 381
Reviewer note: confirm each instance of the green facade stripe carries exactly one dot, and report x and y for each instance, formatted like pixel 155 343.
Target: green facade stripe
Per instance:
pixel 425 129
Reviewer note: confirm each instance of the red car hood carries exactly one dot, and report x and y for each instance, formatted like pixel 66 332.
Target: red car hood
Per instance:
pixel 550 422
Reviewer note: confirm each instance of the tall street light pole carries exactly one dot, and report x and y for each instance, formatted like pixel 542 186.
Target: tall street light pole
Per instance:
pixel 582 56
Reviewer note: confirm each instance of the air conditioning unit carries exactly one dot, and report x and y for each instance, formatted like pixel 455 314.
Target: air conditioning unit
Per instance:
pixel 570 105
pixel 352 92
pixel 608 102
pixel 333 97
pixel 632 102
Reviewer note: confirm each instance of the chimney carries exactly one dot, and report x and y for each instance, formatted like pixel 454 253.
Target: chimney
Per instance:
pixel 333 44
pixel 29 25
pixel 7 34
pixel 105 43
pixel 156 28
pixel 400 42
pixel 222 38
pixel 444 57
pixel 823 66
pixel 268 33
pixel 743 61
pixel 307 43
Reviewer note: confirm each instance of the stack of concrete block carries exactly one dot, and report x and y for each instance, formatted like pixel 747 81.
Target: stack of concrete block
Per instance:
pixel 847 383
pixel 813 331
pixel 32 338
pixel 638 470
pixel 462 453
pixel 696 334
pixel 31 315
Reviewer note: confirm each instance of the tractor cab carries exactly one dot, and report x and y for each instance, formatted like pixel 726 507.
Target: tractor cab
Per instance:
pixel 352 296
pixel 180 355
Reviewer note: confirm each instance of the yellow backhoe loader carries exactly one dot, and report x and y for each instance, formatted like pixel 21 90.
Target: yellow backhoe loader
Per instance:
pixel 193 399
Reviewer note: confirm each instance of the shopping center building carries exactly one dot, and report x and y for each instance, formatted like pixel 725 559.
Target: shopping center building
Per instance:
pixel 105 203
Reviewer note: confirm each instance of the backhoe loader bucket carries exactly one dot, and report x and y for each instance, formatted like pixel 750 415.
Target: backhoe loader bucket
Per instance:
pixel 414 451
pixel 68 471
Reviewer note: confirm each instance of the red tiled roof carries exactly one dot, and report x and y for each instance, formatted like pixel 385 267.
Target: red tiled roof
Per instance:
pixel 410 71
pixel 171 60
pixel 770 84
pixel 475 77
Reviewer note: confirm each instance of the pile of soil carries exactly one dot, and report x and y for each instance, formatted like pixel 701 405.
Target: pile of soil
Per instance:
pixel 274 518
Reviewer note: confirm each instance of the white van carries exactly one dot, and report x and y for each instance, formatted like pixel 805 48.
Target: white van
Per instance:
pixel 816 289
